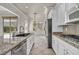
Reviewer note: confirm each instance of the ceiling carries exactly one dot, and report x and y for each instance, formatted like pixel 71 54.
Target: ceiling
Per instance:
pixel 5 12
pixel 40 9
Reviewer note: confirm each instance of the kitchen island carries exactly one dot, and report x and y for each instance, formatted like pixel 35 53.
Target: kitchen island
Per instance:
pixel 16 44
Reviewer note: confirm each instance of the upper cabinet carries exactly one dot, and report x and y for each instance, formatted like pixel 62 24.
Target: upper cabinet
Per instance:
pixel 61 13
pixel 70 6
pixel 72 12
pixel 56 18
pixel 67 12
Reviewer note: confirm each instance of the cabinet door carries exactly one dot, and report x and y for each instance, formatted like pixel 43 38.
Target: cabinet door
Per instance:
pixel 30 42
pixel 61 13
pixel 70 50
pixel 55 44
pixel 67 52
pixel 28 45
pixel 70 6
pixel 20 50
pixel 24 48
pixel 61 49
pixel 9 53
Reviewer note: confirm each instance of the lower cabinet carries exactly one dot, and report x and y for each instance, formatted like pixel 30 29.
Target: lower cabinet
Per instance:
pixel 55 44
pixel 23 48
pixel 63 48
pixel 30 42
pixel 19 50
pixel 67 52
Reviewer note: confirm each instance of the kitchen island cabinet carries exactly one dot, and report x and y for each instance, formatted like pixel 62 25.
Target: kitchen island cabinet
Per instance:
pixel 30 42
pixel 26 47
pixel 17 47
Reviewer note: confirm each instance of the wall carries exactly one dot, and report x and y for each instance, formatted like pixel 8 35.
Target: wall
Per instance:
pixel 72 30
pixel 1 27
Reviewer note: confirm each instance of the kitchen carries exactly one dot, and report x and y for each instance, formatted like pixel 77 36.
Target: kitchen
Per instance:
pixel 65 38
pixel 55 25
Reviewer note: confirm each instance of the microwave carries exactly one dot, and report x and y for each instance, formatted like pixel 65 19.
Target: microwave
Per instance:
pixel 73 15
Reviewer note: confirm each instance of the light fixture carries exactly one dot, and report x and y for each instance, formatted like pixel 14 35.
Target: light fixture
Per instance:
pixel 26 6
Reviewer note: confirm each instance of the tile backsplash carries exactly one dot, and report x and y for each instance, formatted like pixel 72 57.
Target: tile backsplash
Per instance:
pixel 71 29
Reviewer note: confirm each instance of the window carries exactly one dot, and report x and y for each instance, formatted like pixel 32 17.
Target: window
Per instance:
pixel 9 26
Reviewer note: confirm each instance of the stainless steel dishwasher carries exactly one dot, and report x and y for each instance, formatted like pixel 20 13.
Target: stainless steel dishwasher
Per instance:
pixel 20 49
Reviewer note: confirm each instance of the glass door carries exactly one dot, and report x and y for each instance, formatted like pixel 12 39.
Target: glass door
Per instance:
pixel 9 27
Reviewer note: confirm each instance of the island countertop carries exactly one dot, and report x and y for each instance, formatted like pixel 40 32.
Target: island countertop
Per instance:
pixel 6 47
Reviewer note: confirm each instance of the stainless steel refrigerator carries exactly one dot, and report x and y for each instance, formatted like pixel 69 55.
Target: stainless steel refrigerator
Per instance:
pixel 49 33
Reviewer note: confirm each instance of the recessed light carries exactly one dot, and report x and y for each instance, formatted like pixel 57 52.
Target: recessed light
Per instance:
pixel 26 6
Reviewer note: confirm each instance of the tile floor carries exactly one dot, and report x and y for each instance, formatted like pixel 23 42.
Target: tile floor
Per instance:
pixel 41 47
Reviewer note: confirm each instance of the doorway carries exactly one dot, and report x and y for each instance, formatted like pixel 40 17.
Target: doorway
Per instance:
pixel 49 33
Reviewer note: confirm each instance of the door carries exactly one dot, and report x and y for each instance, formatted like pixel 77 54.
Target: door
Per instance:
pixel 49 33
pixel 9 27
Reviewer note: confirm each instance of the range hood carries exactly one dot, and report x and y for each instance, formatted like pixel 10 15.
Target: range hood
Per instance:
pixel 73 16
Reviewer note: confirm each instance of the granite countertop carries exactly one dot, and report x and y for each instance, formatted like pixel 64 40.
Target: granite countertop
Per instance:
pixel 6 46
pixel 68 40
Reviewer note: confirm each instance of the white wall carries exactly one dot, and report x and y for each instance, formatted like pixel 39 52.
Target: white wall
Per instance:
pixel 1 26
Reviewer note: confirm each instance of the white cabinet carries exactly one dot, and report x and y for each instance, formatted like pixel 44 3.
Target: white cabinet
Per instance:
pixel 70 6
pixel 61 14
pixel 23 48
pixel 30 43
pixel 69 9
pixel 70 50
pixel 55 44
pixel 63 48
pixel 58 17
pixel 20 49
pixel 56 20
